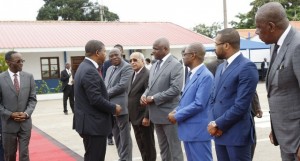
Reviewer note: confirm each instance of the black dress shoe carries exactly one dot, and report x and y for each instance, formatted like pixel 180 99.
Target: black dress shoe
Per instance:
pixel 66 113
pixel 110 142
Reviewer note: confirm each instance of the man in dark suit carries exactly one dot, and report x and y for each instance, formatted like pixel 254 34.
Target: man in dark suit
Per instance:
pixel 234 87
pixel 264 67
pixel 283 77
pixel 17 102
pixel 93 111
pixel 192 112
pixel 162 97
pixel 66 78
pixel 117 81
pixel 139 116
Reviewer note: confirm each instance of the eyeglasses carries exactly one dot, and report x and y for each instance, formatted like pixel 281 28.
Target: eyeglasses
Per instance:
pixel 133 60
pixel 18 61
pixel 217 44
pixel 184 54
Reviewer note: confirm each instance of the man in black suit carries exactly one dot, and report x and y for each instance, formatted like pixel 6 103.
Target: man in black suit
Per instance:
pixel 139 116
pixel 264 68
pixel 67 87
pixel 93 112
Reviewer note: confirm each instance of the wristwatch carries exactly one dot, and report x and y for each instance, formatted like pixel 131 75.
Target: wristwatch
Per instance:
pixel 213 123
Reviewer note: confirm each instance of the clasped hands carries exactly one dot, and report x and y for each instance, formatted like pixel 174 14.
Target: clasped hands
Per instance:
pixel 146 100
pixel 171 117
pixel 19 116
pixel 213 130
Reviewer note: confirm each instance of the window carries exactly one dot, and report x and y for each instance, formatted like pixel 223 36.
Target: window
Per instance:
pixel 50 67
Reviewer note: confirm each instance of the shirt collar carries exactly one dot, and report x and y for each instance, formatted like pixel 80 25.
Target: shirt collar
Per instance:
pixel 194 70
pixel 95 64
pixel 283 36
pixel 231 59
pixel 139 70
pixel 12 74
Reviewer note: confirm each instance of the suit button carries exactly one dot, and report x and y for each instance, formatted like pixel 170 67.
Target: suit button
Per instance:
pixel 220 101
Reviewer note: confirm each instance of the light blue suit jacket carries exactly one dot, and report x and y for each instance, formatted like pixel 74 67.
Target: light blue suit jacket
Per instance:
pixel 192 112
pixel 230 102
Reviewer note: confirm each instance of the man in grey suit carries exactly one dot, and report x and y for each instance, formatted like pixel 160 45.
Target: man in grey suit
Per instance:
pixel 17 102
pixel 93 111
pixel 139 116
pixel 117 81
pixel 283 78
pixel 162 97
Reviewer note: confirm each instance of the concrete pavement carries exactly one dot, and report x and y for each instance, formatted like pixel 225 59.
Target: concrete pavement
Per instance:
pixel 49 117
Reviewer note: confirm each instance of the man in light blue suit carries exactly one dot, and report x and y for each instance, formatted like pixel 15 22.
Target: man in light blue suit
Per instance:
pixel 192 111
pixel 234 87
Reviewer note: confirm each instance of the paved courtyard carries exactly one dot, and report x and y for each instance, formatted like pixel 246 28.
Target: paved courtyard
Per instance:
pixel 49 117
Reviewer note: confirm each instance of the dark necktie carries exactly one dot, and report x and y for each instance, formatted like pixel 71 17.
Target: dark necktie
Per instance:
pixel 99 71
pixel 112 73
pixel 274 55
pixel 16 82
pixel 188 77
pixel 157 66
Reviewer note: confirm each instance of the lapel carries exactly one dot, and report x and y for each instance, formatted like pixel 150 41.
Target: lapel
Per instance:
pixel 222 77
pixel 162 68
pixel 10 83
pixel 116 73
pixel 193 80
pixel 137 78
pixel 280 57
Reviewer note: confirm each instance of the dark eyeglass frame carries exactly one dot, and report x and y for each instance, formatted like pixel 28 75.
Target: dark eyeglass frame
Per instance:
pixel 185 54
pixel 18 61
pixel 133 60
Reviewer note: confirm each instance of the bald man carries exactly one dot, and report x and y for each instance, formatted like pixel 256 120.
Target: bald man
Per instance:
pixel 192 112
pixel 162 96
pixel 282 78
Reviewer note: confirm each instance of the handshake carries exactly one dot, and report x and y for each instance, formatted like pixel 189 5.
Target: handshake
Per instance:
pixel 213 130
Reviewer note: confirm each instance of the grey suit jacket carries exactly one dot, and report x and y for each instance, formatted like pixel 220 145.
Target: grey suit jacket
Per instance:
pixel 11 102
pixel 117 85
pixel 283 86
pixel 165 86
pixel 136 90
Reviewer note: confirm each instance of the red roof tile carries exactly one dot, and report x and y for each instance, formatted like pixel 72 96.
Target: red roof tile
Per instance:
pixel 57 34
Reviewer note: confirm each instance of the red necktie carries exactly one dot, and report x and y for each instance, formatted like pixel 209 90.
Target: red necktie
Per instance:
pixel 16 82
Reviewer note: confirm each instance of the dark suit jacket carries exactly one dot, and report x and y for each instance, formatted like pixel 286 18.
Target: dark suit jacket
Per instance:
pixel 136 90
pixel 230 102
pixel 10 101
pixel 64 77
pixel 93 111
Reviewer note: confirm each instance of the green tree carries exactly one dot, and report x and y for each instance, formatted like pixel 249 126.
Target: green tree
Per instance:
pixel 247 20
pixel 74 10
pixel 209 31
pixel 3 65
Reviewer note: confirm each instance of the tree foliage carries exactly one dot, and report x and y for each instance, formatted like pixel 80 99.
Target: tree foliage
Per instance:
pixel 3 65
pixel 209 31
pixel 74 10
pixel 247 20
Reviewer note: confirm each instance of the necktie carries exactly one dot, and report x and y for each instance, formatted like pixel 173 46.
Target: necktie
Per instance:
pixel 274 54
pixel 99 71
pixel 188 77
pixel 225 66
pixel 134 77
pixel 112 73
pixel 157 66
pixel 16 82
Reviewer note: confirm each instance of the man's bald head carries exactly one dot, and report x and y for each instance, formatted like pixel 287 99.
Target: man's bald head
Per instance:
pixel 198 48
pixel 273 12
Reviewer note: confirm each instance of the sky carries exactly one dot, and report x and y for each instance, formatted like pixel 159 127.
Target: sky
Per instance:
pixel 186 13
